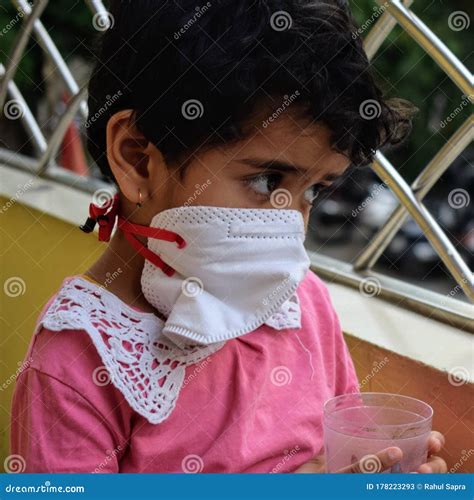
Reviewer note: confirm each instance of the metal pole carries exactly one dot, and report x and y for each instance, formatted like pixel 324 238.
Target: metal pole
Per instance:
pixel 50 48
pixel 445 249
pixel 421 186
pixel 19 47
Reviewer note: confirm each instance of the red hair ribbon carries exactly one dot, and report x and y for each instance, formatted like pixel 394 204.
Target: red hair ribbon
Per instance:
pixel 106 216
pixel 103 215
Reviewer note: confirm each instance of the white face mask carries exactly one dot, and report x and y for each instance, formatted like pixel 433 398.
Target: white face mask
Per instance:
pixel 238 267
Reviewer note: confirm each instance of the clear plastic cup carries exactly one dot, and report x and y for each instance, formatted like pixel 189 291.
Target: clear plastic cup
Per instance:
pixel 357 426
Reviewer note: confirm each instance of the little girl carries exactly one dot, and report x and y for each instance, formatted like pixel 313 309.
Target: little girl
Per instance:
pixel 201 341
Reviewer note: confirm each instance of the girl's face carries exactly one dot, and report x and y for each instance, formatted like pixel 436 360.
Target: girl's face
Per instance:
pixel 283 165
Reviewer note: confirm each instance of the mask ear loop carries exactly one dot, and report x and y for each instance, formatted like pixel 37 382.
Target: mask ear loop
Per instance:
pixel 106 216
pixel 129 229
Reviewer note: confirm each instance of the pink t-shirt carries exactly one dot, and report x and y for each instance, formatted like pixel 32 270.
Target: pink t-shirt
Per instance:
pixel 255 406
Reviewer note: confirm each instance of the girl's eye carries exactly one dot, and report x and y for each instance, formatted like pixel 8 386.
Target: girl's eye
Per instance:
pixel 313 192
pixel 265 184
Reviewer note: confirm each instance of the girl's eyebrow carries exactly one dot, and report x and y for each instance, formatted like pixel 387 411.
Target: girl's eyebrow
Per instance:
pixel 283 166
pixel 278 165
pixel 332 177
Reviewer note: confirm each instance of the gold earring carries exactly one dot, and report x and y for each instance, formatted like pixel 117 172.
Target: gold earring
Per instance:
pixel 139 204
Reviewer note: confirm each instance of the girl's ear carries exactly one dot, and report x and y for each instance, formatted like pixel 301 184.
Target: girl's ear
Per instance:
pixel 130 156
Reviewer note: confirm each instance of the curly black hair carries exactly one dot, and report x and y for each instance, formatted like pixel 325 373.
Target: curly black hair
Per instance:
pixel 195 74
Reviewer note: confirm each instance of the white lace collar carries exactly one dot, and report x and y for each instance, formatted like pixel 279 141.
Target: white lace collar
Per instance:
pixel 143 364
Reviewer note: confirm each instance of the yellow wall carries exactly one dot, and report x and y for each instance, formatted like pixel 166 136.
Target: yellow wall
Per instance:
pixel 41 250
pixel 38 251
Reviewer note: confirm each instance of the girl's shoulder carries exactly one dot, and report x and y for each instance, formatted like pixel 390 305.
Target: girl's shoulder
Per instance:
pixel 90 338
pixel 314 293
pixel 83 338
pixel 81 324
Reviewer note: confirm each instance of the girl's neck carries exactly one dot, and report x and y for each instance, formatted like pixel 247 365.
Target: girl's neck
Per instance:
pixel 119 270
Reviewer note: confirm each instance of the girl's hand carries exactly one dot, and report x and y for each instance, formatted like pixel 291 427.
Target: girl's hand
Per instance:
pixel 317 465
pixel 384 460
pixel 434 464
pixel 381 461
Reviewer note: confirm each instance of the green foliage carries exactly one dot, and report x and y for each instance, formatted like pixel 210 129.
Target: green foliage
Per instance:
pixel 403 69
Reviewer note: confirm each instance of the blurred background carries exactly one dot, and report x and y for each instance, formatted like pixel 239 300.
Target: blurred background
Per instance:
pixel 403 69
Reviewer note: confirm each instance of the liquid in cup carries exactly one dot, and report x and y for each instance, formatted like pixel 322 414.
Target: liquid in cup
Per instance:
pixel 357 426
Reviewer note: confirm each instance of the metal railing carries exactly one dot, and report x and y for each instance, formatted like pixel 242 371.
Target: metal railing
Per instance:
pixel 410 198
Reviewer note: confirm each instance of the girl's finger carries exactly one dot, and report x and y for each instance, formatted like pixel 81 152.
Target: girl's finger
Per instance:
pixel 434 465
pixel 315 465
pixel 436 442
pixel 375 463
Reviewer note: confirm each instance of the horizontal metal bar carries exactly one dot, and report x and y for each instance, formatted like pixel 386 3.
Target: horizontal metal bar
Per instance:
pixel 54 173
pixel 430 304
pixel 421 186
pixel 432 45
